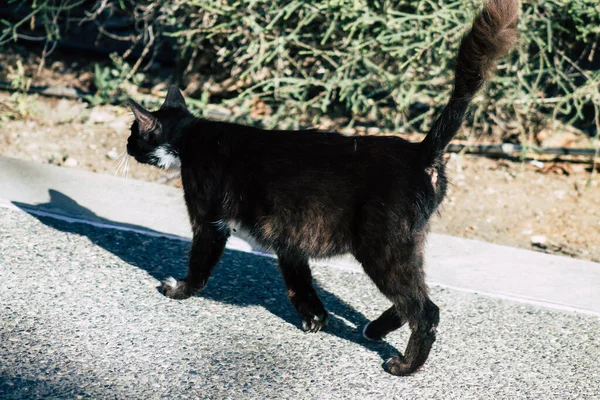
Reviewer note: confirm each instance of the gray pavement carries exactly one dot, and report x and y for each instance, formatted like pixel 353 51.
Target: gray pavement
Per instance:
pixel 81 316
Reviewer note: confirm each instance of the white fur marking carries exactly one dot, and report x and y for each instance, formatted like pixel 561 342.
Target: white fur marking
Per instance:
pixel 239 231
pixel 171 282
pixel 166 159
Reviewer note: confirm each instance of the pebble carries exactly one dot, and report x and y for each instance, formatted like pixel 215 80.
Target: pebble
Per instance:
pixel 537 164
pixel 112 154
pixel 538 239
pixel 70 162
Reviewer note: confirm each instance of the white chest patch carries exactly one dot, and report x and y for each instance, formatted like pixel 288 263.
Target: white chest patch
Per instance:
pixel 166 159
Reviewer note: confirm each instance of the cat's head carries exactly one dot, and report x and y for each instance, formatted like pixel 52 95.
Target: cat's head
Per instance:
pixel 154 134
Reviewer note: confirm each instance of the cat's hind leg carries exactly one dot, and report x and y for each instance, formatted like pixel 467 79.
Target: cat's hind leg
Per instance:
pixel 397 270
pixel 388 322
pixel 302 294
pixel 423 321
pixel 208 244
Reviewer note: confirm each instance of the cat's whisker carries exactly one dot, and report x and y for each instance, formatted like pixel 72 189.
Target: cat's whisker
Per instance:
pixel 123 170
pixel 122 174
pixel 124 160
pixel 121 154
pixel 120 164
pixel 127 168
pixel 119 157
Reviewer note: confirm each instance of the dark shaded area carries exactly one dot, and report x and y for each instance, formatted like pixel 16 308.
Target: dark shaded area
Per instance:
pixel 90 28
pixel 241 279
pixel 16 387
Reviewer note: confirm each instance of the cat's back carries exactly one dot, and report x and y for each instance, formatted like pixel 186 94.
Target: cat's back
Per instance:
pixel 315 147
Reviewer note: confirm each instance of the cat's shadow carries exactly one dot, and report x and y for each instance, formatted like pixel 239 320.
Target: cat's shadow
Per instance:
pixel 240 278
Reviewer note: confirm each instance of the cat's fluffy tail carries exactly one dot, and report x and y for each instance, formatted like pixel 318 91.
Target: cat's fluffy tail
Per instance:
pixel 493 34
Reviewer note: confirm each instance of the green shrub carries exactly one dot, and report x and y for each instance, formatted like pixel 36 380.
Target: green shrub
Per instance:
pixel 373 63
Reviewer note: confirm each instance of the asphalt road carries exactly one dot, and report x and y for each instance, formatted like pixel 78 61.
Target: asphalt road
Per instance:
pixel 81 316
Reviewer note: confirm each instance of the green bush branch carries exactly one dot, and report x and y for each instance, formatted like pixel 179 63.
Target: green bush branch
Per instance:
pixel 364 61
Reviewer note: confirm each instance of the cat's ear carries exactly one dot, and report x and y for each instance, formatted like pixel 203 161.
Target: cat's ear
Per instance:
pixel 174 99
pixel 146 121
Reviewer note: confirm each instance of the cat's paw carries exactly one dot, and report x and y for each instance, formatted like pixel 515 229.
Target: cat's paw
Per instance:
pixel 398 366
pixel 176 289
pixel 314 323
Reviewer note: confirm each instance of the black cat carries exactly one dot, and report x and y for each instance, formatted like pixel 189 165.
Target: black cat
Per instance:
pixel 308 194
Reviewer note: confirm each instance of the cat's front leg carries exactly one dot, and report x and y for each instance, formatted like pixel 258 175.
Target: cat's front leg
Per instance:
pixel 302 294
pixel 207 247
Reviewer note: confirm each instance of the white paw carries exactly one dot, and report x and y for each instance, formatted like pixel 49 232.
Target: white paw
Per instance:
pixel 316 323
pixel 171 283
